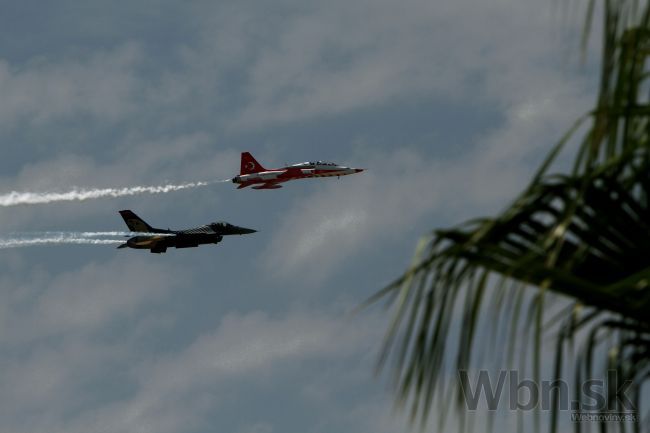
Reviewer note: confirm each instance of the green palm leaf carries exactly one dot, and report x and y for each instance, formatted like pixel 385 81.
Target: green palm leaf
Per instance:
pixel 584 236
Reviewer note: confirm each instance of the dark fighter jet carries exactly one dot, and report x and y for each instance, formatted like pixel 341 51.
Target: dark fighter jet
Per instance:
pixel 159 240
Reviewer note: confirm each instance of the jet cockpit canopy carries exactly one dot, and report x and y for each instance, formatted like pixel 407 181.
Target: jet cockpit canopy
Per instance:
pixel 314 163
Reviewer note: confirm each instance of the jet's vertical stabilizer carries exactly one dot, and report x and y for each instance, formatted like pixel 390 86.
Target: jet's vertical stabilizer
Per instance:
pixel 249 165
pixel 135 223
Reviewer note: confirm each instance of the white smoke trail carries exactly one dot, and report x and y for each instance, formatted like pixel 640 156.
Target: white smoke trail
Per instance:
pixel 28 239
pixel 15 198
pixel 52 234
pixel 14 243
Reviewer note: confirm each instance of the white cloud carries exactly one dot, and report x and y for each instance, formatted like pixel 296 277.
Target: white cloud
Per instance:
pixel 61 335
pixel 324 59
pixel 102 85
pixel 261 64
pixel 52 378
pixel 176 392
pixel 82 301
pixel 462 51
pixel 254 343
pixel 401 188
pixel 260 427
pixel 138 159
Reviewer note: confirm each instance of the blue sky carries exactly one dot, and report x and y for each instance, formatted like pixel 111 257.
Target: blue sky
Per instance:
pixel 449 105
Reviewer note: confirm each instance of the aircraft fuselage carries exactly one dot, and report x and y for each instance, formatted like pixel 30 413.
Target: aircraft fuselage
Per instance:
pixel 252 173
pixel 158 240
pixel 172 241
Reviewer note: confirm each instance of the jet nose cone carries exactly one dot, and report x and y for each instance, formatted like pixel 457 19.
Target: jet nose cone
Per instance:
pixel 358 170
pixel 244 231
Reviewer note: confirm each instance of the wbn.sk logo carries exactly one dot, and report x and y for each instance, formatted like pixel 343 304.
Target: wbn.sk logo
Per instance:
pixel 598 399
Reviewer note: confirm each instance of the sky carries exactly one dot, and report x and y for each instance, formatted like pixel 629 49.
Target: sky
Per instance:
pixel 448 105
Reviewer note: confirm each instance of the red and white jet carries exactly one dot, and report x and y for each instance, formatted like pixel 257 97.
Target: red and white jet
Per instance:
pixel 252 172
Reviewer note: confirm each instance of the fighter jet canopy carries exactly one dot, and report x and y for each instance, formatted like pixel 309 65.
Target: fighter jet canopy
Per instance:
pixel 224 228
pixel 312 163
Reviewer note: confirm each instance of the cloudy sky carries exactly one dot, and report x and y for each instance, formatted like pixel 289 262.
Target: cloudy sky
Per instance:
pixel 448 104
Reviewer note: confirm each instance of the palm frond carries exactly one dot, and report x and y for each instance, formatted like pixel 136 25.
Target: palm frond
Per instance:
pixel 583 235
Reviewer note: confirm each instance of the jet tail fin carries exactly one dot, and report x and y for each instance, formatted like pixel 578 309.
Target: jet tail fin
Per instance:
pixel 249 164
pixel 135 223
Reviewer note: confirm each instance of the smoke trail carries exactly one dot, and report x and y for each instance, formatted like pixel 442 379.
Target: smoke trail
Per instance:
pixel 15 198
pixel 67 234
pixel 28 239
pixel 15 243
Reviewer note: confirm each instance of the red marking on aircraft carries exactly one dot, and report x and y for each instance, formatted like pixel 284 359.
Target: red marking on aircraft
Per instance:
pixel 253 173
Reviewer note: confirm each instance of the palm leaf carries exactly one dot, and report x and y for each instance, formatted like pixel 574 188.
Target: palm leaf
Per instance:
pixel 584 236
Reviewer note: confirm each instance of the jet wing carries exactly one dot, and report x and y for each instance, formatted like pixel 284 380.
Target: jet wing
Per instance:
pixel 268 185
pixel 157 244
pixel 147 241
